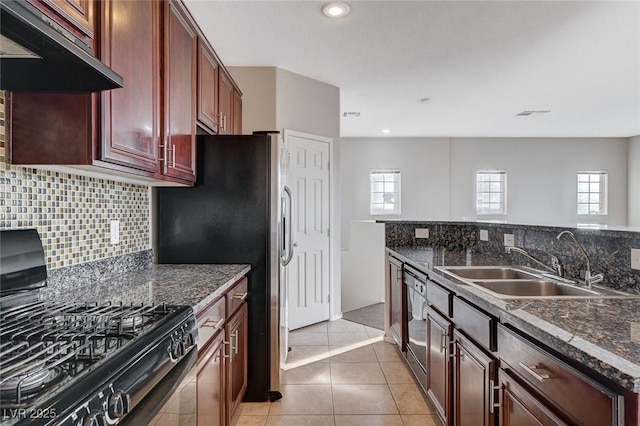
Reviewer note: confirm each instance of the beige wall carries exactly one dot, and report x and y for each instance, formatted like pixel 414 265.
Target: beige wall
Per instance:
pixel 634 181
pixel 258 85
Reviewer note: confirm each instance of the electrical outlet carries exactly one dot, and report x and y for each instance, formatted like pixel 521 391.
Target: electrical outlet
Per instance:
pixel 509 240
pixel 422 232
pixel 635 258
pixel 114 232
pixel 484 235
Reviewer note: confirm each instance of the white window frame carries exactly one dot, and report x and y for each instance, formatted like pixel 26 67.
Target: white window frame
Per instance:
pixel 601 189
pixel 483 208
pixel 377 211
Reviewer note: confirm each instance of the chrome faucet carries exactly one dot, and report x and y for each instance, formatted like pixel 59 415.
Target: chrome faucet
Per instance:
pixel 555 267
pixel 589 279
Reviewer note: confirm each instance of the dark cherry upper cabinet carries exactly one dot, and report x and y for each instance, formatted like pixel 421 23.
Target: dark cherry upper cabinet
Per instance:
pixel 75 16
pixel 237 113
pixel 226 104
pixel 130 116
pixel 208 75
pixel 180 65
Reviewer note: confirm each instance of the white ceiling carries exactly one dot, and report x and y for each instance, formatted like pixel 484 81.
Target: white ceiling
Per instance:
pixel 480 62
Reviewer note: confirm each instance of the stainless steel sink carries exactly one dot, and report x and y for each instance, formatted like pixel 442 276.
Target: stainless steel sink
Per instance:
pixel 533 288
pixel 490 272
pixel 509 282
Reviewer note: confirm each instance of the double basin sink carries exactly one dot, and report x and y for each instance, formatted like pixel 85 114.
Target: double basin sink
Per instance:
pixel 508 282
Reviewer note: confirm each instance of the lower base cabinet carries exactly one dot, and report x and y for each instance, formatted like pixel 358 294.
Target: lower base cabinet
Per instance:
pixel 237 330
pixel 438 364
pixel 210 383
pixel 518 407
pixel 474 375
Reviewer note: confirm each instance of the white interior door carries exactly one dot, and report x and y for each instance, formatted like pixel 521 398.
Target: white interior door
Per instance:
pixel 308 272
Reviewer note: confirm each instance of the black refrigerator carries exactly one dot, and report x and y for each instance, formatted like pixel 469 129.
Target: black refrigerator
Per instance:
pixel 237 213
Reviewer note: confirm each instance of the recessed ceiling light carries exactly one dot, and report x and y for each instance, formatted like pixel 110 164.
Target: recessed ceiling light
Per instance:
pixel 386 131
pixel 335 9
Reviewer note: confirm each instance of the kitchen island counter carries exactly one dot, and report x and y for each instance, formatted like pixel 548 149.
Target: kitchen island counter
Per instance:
pixel 187 284
pixel 603 334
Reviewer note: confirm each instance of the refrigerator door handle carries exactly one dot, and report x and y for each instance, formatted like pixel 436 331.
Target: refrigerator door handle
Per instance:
pixel 287 228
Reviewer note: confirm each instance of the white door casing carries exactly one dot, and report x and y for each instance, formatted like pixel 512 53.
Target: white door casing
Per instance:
pixel 309 270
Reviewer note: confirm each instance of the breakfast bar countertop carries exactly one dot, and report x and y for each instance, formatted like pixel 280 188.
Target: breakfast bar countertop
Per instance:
pixel 195 285
pixel 603 334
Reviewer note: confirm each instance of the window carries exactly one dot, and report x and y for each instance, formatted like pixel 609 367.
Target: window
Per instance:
pixel 385 192
pixel 491 192
pixel 592 193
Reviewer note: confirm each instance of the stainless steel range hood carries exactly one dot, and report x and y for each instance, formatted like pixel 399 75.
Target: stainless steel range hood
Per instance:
pixel 36 57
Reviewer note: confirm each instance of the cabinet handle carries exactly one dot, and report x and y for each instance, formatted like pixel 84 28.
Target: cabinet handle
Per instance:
pixel 234 335
pixel 173 155
pixel 170 149
pixel 241 296
pixel 443 341
pixel 492 396
pixel 539 376
pixel 224 350
pixel 210 322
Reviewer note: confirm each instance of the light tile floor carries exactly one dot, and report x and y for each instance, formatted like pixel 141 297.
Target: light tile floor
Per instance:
pixel 340 373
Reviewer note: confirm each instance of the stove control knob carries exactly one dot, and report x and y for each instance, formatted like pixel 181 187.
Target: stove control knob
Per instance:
pixel 119 404
pixel 94 418
pixel 176 350
pixel 188 339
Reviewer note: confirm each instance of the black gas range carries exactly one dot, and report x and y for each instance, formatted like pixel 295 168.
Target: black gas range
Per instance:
pixel 84 364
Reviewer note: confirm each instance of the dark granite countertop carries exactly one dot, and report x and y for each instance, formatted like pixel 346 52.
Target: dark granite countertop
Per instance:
pixel 603 334
pixel 194 285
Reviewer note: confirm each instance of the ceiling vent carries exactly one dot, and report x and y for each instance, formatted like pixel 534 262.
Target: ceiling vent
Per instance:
pixel 528 113
pixel 350 114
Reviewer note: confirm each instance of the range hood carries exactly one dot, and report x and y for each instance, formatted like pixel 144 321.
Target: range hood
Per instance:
pixel 36 57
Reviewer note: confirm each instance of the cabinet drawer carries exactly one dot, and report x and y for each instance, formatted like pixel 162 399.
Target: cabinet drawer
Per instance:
pixel 210 321
pixel 571 392
pixel 439 298
pixel 237 295
pixel 475 323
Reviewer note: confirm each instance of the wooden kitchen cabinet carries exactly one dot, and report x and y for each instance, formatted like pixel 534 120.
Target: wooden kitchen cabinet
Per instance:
pixel 474 376
pixel 439 331
pixel 130 117
pixel 237 113
pixel 225 103
pixel 180 53
pixel 519 407
pixel 237 378
pixel 208 83
pixel 210 383
pixel 75 16
pixel 396 310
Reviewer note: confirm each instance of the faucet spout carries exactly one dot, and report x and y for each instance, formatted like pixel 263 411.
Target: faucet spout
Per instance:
pixel 588 278
pixel 556 268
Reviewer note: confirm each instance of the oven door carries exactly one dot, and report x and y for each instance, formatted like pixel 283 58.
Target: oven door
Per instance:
pixel 173 400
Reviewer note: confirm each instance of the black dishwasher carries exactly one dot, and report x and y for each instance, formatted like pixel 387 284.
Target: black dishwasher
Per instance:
pixel 416 318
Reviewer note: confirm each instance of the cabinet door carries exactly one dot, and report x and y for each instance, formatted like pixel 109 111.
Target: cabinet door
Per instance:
pixel 438 364
pixel 130 44
pixel 77 16
pixel 210 384
pixel 180 93
pixel 237 330
pixel 397 296
pixel 521 408
pixel 226 103
pixel 474 375
pixel 237 113
pixel 208 76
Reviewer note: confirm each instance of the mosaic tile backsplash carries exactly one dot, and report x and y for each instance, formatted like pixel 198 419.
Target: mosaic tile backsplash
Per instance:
pixel 72 213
